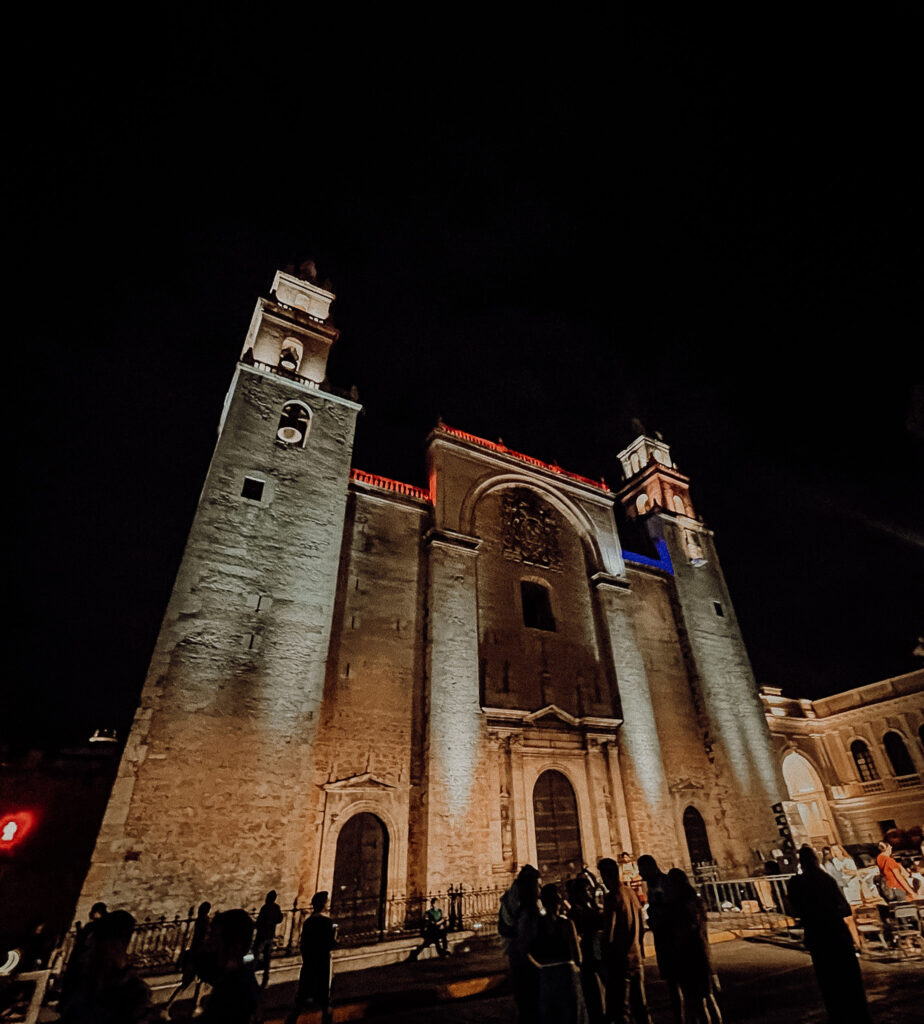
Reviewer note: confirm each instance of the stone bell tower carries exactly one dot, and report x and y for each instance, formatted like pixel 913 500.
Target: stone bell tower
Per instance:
pixel 208 799
pixel 745 779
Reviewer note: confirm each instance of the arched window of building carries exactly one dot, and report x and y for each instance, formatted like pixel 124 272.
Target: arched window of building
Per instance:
pixel 641 502
pixel 537 606
pixel 290 355
pixel 633 462
pixel 898 754
pixel 294 424
pixel 800 776
pixel 360 876
pixel 694 829
pixel 921 736
pixel 864 761
pixel 558 834
pixel 678 505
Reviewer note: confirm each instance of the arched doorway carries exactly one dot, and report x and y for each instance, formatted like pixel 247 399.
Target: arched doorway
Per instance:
pixel 808 792
pixel 360 874
pixel 558 834
pixel 694 829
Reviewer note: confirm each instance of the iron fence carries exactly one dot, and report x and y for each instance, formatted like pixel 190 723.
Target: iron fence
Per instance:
pixel 158 944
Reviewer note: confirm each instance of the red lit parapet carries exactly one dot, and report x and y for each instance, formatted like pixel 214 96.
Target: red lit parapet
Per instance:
pixel 498 446
pixel 385 484
pixel 14 828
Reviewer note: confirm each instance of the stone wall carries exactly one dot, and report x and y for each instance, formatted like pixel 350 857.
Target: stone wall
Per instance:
pixel 207 803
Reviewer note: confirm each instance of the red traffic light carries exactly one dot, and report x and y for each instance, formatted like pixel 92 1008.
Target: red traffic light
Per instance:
pixel 14 828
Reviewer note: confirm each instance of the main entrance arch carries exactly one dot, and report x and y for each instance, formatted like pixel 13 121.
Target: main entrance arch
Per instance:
pixel 558 833
pixel 360 875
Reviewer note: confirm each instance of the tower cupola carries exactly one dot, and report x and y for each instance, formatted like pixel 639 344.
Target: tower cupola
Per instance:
pixel 653 482
pixel 290 332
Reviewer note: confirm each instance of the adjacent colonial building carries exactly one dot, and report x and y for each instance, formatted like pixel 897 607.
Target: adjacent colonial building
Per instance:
pixel 381 689
pixel 853 763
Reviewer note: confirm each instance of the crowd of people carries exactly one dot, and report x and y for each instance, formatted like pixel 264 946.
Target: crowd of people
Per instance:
pixel 576 953
pixel 226 952
pixel 575 948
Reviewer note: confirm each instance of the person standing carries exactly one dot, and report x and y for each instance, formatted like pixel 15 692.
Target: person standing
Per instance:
pixel 77 961
pixel 518 923
pixel 848 869
pixel 588 920
pixel 897 886
pixel 687 921
pixel 659 894
pixel 831 938
pixel 830 865
pixel 319 936
pixel 269 917
pixel 235 994
pixel 621 954
pixel 556 953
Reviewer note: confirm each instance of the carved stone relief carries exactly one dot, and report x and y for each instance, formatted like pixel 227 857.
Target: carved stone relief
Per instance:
pixel 530 530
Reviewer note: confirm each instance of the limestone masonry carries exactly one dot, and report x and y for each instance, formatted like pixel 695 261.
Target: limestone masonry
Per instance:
pixel 381 690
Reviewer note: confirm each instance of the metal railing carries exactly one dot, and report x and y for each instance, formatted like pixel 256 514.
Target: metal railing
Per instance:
pixel 749 903
pixel 158 944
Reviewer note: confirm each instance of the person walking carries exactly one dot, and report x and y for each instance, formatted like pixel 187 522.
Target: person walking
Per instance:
pixel 686 916
pixel 621 954
pixel 556 954
pixel 659 895
pixel 831 938
pixel 319 936
pixel 269 917
pixel 518 923
pixel 435 928
pixel 192 958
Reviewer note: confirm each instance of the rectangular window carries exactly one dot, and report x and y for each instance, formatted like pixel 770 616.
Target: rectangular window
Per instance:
pixel 252 489
pixel 537 608
pixel 718 609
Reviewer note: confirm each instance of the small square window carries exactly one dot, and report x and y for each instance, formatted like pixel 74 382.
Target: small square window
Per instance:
pixel 719 610
pixel 252 489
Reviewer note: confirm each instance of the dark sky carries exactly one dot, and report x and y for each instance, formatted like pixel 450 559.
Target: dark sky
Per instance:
pixel 537 233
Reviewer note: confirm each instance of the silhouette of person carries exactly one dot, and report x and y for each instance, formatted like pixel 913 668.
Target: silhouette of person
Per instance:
pixel 434 931
pixel 621 953
pixel 588 920
pixel 831 938
pixel 556 953
pixel 235 994
pixel 518 923
pixel 270 915
pixel 108 991
pixel 76 962
pixel 686 919
pixel 319 936
pixel 658 888
pixel 192 958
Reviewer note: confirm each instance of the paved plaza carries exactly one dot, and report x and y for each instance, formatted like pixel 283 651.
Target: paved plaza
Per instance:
pixel 761 984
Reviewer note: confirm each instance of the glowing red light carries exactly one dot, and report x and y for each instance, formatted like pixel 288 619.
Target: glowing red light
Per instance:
pixel 14 828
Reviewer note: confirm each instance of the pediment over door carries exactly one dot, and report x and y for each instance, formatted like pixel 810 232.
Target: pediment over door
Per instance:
pixel 363 783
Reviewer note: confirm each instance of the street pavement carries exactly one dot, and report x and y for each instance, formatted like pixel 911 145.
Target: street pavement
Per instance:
pixel 761 984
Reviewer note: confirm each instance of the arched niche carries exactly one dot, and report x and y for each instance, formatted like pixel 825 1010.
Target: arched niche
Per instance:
pixel 694 829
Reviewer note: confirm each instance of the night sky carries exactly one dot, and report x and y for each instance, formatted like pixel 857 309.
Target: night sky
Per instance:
pixel 537 233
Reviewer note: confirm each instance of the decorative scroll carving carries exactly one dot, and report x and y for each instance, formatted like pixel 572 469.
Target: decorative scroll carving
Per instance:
pixel 530 530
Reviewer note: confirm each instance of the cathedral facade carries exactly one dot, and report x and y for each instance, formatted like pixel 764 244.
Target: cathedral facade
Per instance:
pixel 381 690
